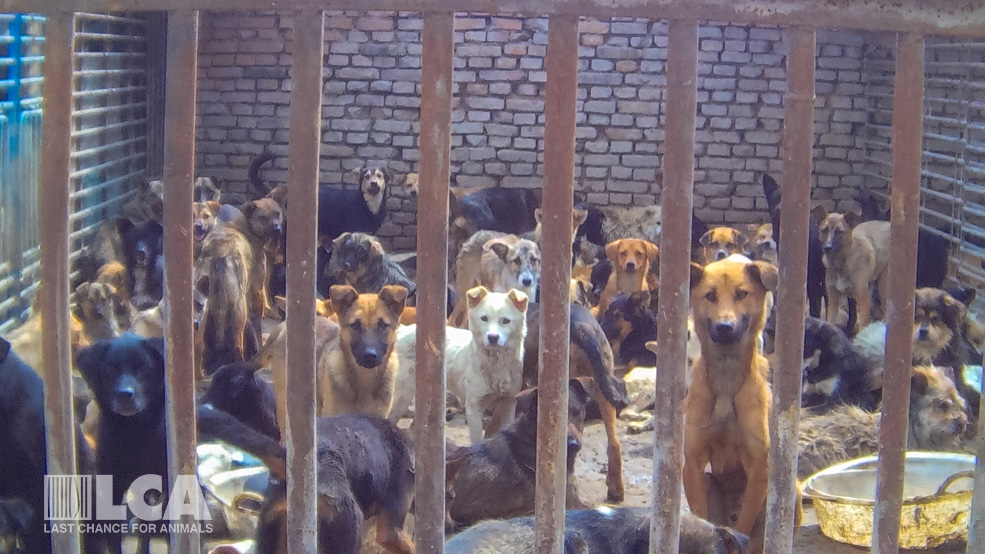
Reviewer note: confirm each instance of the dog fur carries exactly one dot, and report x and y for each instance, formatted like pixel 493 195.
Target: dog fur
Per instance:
pixel 143 253
pixel 359 260
pixel 590 356
pixel 631 261
pixel 237 390
pixel 484 363
pixel 506 210
pixel 940 329
pixel 856 256
pixel 203 221
pixel 937 422
pixel 720 243
pixel 726 410
pixel 494 478
pixel 207 190
pixel 761 245
pixel 498 262
pixel 629 324
pixel 147 204
pixel 101 311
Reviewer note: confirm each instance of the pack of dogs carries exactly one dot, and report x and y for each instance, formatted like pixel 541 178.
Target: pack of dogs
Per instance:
pixel 366 351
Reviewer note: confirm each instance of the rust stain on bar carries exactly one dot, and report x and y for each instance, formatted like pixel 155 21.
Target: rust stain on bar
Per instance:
pixel 432 278
pixel 53 209
pixel 787 377
pixel 559 175
pixel 959 17
pixel 179 177
pixel 674 288
pixel 302 208
pixel 976 526
pixel 907 146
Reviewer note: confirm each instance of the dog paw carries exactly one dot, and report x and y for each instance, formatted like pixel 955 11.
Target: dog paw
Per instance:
pixel 642 426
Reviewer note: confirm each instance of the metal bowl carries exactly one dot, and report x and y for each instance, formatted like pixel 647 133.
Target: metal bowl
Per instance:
pixel 936 499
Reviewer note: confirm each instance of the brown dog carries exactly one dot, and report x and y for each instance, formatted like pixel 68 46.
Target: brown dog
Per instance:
pixel 726 411
pixel 631 260
pixel 360 373
pixel 762 246
pixel 720 243
pixel 856 256
pixel 203 220
pixel 103 313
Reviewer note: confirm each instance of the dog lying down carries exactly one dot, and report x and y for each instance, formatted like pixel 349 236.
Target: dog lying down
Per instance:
pixel 602 530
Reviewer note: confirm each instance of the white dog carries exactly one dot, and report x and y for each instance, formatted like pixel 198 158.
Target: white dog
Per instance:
pixel 483 364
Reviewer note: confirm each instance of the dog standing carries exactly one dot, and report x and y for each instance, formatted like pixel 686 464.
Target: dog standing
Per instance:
pixel 484 363
pixel 726 411
pixel 856 256
pixel 631 260
pixel 498 262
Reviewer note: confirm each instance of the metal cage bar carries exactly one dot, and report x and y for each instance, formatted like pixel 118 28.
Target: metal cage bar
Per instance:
pixel 787 379
pixel 56 351
pixel 179 175
pixel 905 206
pixel 673 291
pixel 437 57
pixel 302 206
pixel 976 524
pixel 552 382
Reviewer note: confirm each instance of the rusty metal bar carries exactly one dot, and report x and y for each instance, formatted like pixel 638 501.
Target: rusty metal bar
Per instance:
pixel 952 17
pixel 302 207
pixel 907 145
pixel 53 298
pixel 559 175
pixel 976 525
pixel 438 44
pixel 673 291
pixel 179 176
pixel 798 138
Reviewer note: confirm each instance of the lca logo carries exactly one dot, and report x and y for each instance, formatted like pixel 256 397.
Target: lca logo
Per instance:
pixel 70 498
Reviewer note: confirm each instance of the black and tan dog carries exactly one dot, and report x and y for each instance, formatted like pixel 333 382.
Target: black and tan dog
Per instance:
pixel 629 324
pixel 495 478
pixel 590 356
pixel 359 260
pixel 726 411
pixel 507 210
pixel 147 204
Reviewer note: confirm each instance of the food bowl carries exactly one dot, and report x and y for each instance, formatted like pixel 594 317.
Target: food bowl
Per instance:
pixel 936 499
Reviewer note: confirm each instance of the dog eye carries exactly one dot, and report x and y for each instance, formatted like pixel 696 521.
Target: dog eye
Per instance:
pixel 504 321
pixel 484 319
pixel 740 295
pixel 382 325
pixel 943 406
pixel 356 326
pixel 711 297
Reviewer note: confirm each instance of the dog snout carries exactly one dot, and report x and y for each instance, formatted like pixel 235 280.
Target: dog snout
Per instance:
pixel 374 187
pixel 526 280
pixel 630 266
pixel 492 339
pixel 125 393
pixel 721 255
pixel 923 333
pixel 724 331
pixel 369 358
pixel 276 230
pixel 574 445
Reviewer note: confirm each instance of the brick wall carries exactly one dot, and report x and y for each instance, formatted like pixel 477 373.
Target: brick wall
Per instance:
pixel 371 107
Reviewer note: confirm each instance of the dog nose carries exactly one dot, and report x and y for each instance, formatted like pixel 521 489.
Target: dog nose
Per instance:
pixel 630 266
pixel 526 281
pixel 720 255
pixel 828 247
pixel 574 445
pixel 277 229
pixel 199 227
pixel 923 334
pixel 724 327
pixel 370 358
pixel 126 393
pixel 493 338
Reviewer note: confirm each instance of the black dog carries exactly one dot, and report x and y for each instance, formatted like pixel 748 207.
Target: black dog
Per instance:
pixel 629 323
pixel 495 478
pixel 504 209
pixel 837 373
pixel 143 252
pixel 237 390
pixel 815 264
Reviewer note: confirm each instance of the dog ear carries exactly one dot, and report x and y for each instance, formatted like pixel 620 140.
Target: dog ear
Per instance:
pixel 526 404
pixel 578 217
pixel 281 303
pixel 248 209
pixel 519 299
pixel 395 298
pixel 538 214
pixel 919 382
pixel 954 311
pixel 376 248
pixel 764 273
pixel 342 297
pixel 652 252
pixel 852 219
pixel 731 540
pixel 612 251
pixel 697 274
pixel 964 295
pixel 323 308
pixel 501 249
pixel 156 347
pixel 89 360
pixel 705 238
pixel 475 295
pixel 640 298
pixel 741 239
pixel 819 213
pixel 651 345
pixel 4 350
pixel 214 206
pixel 584 387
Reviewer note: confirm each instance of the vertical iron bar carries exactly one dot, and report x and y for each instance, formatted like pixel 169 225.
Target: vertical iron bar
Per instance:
pixel 787 380
pixel 179 177
pixel 976 526
pixel 432 279
pixel 302 209
pixel 559 175
pixel 674 287
pixel 907 147
pixel 53 296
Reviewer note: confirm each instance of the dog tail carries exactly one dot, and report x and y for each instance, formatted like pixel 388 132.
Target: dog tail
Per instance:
pixel 260 188
pixel 216 424
pixel 226 314
pixel 611 387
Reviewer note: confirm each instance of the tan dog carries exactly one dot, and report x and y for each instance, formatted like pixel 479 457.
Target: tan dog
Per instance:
pixel 360 373
pixel 762 246
pixel 856 256
pixel 499 262
pixel 25 340
pixel 720 243
pixel 115 275
pixel 726 411
pixel 631 260
pixel 203 221
pixel 103 313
